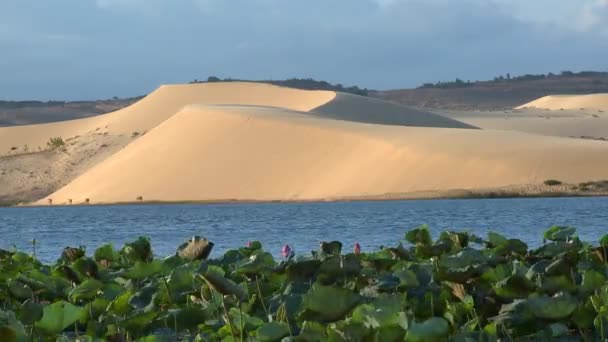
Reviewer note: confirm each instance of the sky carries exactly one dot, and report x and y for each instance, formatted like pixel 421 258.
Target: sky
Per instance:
pixel 95 49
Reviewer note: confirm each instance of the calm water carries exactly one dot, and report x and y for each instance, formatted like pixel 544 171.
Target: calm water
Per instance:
pixel 303 226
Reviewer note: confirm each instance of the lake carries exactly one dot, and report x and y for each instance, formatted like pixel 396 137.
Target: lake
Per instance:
pixel 302 225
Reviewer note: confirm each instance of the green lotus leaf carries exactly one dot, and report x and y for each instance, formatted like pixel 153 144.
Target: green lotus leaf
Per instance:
pixel 249 323
pixel 340 266
pixel 224 285
pixel 420 235
pixel 59 316
pixel 556 307
pixel 107 253
pixel 457 239
pixel 510 247
pixel 187 318
pixel 302 269
pixel 180 282
pixel 144 299
pixel 138 321
pixel 498 273
pixel 256 264
pixel 120 306
pixel 346 331
pixel 327 303
pixel 555 284
pixel 30 312
pixel 592 280
pixel 407 278
pixel 312 332
pixel 86 290
pixel 157 338
pixel 20 290
pixel 495 240
pixel 515 286
pixel 433 329
pixel 466 257
pixel 604 241
pixel 384 312
pixel 138 250
pixel 273 331
pixel 143 270
pixel 584 315
pixel 557 233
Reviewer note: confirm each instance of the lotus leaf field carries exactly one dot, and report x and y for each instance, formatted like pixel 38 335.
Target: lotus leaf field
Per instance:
pixel 460 287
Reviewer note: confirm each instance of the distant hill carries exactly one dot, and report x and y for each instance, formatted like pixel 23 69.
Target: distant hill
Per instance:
pixel 500 93
pixel 298 83
pixel 32 112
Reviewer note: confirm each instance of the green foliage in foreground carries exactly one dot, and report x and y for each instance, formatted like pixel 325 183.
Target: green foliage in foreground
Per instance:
pixel 459 287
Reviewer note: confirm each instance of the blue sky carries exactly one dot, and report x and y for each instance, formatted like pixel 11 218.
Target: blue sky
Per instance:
pixel 90 49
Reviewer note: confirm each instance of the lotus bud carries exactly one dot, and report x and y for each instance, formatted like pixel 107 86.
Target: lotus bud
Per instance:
pixel 357 248
pixel 249 244
pixel 286 251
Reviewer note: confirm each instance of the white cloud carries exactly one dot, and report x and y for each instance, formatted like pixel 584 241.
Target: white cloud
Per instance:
pixel 594 17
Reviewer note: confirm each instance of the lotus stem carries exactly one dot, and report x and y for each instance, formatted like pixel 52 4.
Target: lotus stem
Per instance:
pixel 228 317
pixel 257 283
pixel 168 291
pixel 241 320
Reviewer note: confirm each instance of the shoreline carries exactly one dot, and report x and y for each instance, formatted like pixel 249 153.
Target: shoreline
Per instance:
pixel 510 192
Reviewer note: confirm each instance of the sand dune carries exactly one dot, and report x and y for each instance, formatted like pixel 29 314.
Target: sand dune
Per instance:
pixel 261 153
pixel 563 102
pixel 567 123
pixel 162 104
pixel 26 175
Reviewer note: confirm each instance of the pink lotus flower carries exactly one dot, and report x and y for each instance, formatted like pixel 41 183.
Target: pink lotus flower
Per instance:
pixel 249 244
pixel 357 248
pixel 286 251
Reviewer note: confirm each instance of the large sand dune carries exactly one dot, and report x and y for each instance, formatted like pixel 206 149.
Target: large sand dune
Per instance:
pixel 563 102
pixel 28 170
pixel 260 153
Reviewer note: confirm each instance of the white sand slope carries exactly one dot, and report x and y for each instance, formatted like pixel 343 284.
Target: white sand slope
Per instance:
pixel 589 124
pixel 162 104
pixel 261 153
pixel 563 102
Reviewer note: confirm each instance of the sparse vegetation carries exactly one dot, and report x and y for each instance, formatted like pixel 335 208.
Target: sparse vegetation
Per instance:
pixel 134 134
pixel 594 186
pixel 298 83
pixel 55 142
pixel 552 182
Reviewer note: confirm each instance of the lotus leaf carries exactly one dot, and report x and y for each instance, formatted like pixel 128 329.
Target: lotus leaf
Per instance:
pixel 87 290
pixel 273 331
pixel 138 250
pixel 328 303
pixel 557 307
pixel 419 236
pixel 59 316
pixel 557 233
pixel 433 329
pixel 224 285
pixel 312 332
